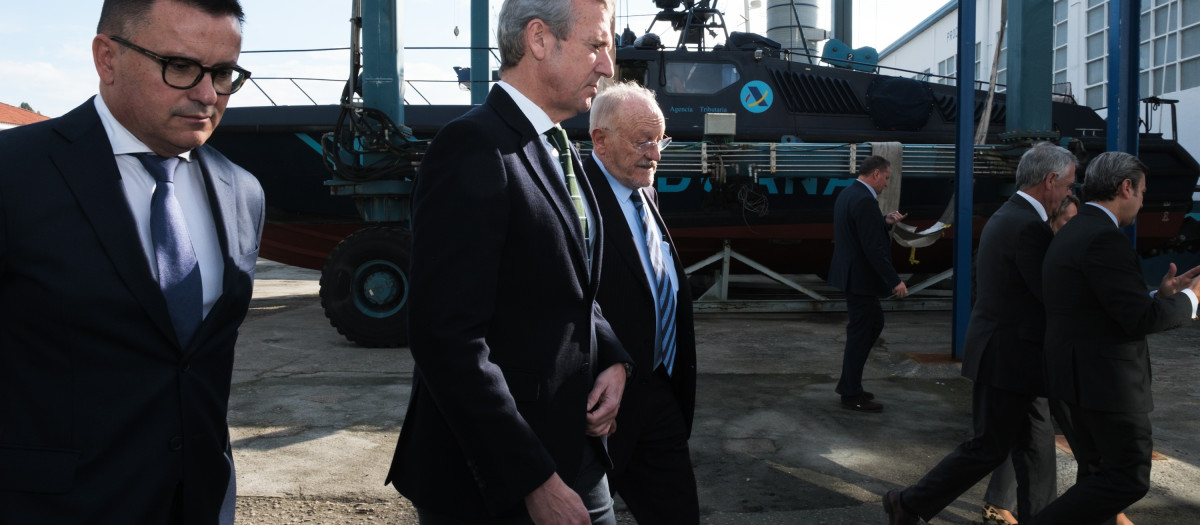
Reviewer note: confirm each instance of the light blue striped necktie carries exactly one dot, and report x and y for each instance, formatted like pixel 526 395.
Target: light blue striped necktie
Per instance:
pixel 665 352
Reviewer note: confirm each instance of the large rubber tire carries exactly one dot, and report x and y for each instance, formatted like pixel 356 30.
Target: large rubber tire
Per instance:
pixel 364 287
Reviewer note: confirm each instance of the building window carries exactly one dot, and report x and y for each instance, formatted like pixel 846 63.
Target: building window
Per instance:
pixel 978 62
pixel 699 77
pixel 1170 45
pixel 1191 12
pixel 1095 42
pixel 1095 96
pixel 946 70
pixel 1002 64
pixel 1189 74
pixel 1060 47
pixel 1189 44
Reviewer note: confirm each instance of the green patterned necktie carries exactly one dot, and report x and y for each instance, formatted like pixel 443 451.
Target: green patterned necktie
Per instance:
pixel 558 138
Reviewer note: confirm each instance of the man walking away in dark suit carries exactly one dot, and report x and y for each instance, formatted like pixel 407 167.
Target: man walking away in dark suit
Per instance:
pixel 862 268
pixel 1098 313
pixel 127 252
pixel 518 376
pixel 1003 352
pixel 645 297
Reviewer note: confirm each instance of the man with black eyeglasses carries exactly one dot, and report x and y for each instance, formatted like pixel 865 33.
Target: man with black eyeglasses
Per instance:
pixel 127 253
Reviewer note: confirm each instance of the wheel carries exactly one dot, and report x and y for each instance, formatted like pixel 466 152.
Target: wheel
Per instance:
pixel 364 287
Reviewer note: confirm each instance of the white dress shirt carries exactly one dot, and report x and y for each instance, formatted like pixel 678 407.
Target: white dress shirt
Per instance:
pixel 1036 205
pixel 542 123
pixel 189 191
pixel 634 221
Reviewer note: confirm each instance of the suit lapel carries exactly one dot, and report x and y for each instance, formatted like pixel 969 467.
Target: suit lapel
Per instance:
pixel 221 197
pixel 542 167
pixel 621 239
pixel 597 222
pixel 651 198
pixel 89 169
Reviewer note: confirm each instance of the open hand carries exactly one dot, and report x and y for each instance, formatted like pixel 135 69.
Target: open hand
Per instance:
pixel 1173 284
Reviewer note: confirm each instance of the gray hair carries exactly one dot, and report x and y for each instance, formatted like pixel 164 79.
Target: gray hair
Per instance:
pixel 1041 160
pixel 1106 172
pixel 607 103
pixel 558 15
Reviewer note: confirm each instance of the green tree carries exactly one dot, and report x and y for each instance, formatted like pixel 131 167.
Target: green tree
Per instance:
pixel 25 106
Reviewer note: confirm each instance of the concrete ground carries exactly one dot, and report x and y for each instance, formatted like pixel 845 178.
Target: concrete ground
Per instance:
pixel 315 418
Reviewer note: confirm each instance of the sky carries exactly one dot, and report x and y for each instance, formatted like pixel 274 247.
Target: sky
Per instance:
pixel 45 46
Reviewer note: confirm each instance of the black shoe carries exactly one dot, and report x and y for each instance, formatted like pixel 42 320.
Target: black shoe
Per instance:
pixel 895 510
pixel 861 404
pixel 865 394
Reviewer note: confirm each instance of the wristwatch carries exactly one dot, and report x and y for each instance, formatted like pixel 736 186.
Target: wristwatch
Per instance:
pixel 628 370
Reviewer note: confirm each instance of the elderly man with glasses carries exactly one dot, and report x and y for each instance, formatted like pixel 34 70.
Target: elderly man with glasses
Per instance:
pixel 645 297
pixel 127 253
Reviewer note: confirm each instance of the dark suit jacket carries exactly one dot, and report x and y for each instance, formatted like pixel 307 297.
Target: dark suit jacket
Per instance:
pixel 505 330
pixel 102 414
pixel 629 305
pixel 862 250
pixel 1003 345
pixel 1098 313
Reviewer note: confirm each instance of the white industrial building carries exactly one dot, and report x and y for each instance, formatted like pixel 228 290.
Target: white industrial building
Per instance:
pixel 1169 55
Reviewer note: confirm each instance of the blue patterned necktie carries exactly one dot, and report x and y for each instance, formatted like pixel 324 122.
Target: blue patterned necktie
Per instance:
pixel 178 271
pixel 558 138
pixel 665 352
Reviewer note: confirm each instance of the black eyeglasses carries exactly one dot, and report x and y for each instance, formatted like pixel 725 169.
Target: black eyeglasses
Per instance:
pixel 185 73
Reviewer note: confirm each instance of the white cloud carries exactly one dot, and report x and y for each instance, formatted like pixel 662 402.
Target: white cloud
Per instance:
pixel 46 56
pixel 49 88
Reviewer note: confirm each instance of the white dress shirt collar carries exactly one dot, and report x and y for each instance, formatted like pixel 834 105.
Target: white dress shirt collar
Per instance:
pixel 540 120
pixel 869 188
pixel 122 140
pixel 622 191
pixel 1106 212
pixel 1036 205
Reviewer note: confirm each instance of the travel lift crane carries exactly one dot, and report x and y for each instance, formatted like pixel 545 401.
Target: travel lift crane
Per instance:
pixel 372 157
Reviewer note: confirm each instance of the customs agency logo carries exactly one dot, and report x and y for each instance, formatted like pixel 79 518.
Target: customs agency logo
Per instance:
pixel 757 96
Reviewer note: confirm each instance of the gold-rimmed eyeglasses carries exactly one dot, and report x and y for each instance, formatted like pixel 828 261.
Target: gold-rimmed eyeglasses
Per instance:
pixel 645 146
pixel 185 73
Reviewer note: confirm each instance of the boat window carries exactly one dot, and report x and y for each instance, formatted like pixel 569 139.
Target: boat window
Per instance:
pixel 632 71
pixel 702 78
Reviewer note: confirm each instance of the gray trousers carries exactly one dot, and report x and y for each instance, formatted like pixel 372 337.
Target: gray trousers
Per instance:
pixel 1002 488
